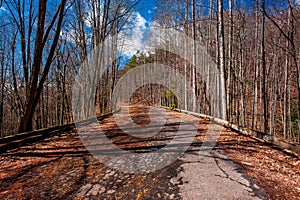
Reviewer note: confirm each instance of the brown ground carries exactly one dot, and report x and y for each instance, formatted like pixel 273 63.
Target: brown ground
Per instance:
pixel 60 168
pixel 278 172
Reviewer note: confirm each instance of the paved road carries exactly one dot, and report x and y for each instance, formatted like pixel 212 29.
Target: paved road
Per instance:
pixel 62 168
pixel 204 173
pixel 216 177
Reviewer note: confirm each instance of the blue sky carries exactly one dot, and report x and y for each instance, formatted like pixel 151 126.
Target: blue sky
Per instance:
pixel 141 19
pixel 147 9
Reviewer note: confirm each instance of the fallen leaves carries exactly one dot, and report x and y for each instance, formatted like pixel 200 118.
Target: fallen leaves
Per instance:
pixel 277 172
pixel 58 167
pixel 141 194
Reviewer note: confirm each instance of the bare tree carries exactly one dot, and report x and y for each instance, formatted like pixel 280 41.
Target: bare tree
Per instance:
pixel 221 53
pixel 35 86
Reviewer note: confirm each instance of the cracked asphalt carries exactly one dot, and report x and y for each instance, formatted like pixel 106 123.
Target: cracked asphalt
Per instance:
pixel 216 177
pixel 203 173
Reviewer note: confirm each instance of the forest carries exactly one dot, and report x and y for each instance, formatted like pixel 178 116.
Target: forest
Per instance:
pixel 253 46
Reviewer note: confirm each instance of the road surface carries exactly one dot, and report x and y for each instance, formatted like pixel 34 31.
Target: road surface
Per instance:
pixel 61 167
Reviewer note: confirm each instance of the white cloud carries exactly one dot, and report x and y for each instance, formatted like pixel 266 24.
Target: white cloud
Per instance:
pixel 132 37
pixel 68 35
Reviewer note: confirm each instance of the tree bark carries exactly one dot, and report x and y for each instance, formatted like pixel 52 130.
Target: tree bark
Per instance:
pixel 36 86
pixel 264 73
pixel 222 85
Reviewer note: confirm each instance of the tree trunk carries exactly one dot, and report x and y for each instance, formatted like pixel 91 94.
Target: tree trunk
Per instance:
pixel 194 58
pixel 255 92
pixel 264 73
pixel 222 85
